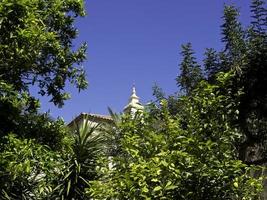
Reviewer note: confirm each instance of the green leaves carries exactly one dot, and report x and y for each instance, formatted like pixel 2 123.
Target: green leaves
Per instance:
pixel 36 46
pixel 191 73
pixel 27 169
pixel 162 158
pixel 81 165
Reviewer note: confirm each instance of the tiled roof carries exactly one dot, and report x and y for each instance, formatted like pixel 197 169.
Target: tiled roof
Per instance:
pixel 92 116
pixel 106 117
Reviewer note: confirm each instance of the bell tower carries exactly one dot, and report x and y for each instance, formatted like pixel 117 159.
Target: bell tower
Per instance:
pixel 134 105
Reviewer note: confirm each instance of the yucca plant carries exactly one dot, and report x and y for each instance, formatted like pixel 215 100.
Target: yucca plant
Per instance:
pixel 88 145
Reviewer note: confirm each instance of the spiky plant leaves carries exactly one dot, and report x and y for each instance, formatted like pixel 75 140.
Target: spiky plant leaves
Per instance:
pixel 88 145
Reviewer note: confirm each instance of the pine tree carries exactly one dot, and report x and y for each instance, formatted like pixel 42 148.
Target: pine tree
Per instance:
pixel 211 64
pixel 190 71
pixel 158 93
pixel 233 38
pixel 259 16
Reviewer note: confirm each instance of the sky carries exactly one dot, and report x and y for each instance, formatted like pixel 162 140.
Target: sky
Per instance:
pixel 138 42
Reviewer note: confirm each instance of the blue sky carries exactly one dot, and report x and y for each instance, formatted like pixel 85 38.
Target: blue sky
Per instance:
pixel 138 41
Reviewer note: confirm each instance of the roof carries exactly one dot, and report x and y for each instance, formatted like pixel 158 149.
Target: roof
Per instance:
pixel 132 106
pixel 91 116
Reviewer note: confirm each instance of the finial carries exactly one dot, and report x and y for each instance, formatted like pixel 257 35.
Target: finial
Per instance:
pixel 134 91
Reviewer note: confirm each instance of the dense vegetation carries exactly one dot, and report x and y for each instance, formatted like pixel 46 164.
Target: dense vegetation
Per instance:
pixel 205 142
pixel 38 155
pixel 161 156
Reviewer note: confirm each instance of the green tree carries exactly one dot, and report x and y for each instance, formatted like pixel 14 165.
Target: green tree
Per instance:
pixel 233 38
pixel 158 92
pixel 160 159
pixel 253 118
pixel 36 46
pixel 30 147
pixel 259 17
pixel 28 170
pixel 211 64
pixel 190 71
pixel 19 116
pixel 31 169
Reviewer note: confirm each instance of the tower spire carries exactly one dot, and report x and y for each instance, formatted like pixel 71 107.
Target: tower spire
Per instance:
pixel 133 105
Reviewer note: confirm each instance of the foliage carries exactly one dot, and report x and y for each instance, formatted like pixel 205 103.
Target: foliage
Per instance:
pixel 158 92
pixel 28 170
pixel 244 53
pixel 36 46
pixel 211 64
pixel 19 115
pixel 190 70
pixel 87 146
pixel 39 158
pixel 253 118
pixel 233 38
pixel 29 162
pixel 12 105
pixel 259 16
pixel 200 145
pixel 161 159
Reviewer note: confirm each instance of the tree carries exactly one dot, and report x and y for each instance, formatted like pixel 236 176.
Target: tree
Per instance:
pixel 259 16
pixel 211 64
pixel 190 72
pixel 28 170
pixel 158 92
pixel 36 46
pixel 30 147
pixel 233 38
pixel 244 58
pixel 19 116
pixel 253 118
pixel 160 159
pixel 31 170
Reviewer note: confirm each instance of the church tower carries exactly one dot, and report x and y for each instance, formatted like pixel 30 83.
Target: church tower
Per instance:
pixel 134 105
pixel 131 108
